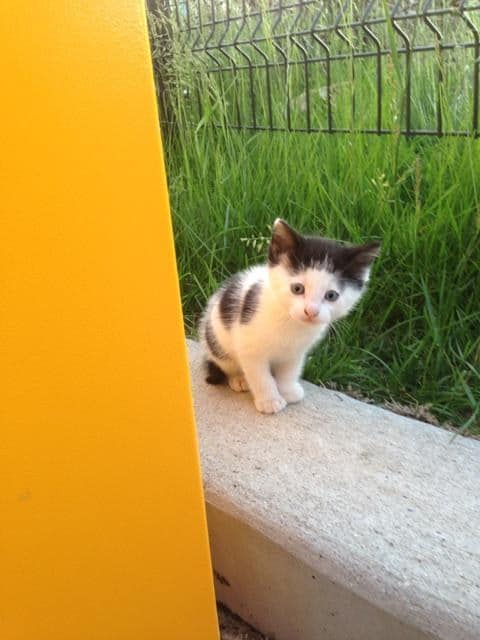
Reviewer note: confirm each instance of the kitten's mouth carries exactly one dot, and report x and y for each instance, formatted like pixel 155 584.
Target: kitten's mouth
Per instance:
pixel 315 320
pixel 306 320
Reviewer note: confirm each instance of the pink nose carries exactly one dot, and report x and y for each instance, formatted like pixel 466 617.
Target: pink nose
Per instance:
pixel 311 310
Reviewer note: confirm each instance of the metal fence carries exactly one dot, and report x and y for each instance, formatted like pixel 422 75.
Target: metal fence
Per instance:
pixel 316 66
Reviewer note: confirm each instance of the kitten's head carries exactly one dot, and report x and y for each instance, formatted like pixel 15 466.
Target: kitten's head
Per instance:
pixel 317 280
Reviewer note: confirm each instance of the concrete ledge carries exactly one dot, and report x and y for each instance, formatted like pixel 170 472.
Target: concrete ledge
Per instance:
pixel 336 519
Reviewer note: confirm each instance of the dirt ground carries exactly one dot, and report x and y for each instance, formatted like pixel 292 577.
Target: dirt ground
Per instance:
pixel 234 628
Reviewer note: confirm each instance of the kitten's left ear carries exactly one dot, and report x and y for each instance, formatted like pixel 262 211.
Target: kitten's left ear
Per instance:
pixel 284 241
pixel 360 258
pixel 365 254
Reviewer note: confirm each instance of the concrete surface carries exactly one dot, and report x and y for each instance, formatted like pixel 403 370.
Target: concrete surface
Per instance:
pixel 337 519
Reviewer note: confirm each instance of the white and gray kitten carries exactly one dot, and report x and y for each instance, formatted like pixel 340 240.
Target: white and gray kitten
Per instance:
pixel 259 326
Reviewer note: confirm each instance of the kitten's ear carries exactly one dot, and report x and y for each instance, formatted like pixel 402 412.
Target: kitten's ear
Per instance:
pixel 365 254
pixel 284 241
pixel 360 258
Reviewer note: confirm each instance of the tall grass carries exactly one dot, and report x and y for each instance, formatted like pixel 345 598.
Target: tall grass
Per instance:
pixel 415 338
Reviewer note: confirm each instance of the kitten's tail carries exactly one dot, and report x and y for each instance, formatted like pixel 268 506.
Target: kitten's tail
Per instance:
pixel 215 375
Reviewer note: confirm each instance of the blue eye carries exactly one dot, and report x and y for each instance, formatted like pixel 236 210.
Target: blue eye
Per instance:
pixel 331 295
pixel 297 288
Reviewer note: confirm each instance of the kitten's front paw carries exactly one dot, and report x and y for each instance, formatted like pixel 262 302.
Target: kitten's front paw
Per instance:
pixel 238 383
pixel 293 393
pixel 270 404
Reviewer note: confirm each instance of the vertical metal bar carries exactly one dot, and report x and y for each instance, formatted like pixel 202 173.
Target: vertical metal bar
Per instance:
pixel 303 51
pixel 438 37
pixel 267 69
pixel 187 11
pixel 328 71
pixel 198 74
pixel 476 68
pixel 206 44
pixel 408 70
pixel 164 74
pixel 235 40
pixel 177 13
pixel 230 58
pixel 199 99
pixel 252 91
pixel 329 91
pixel 205 47
pixel 340 33
pixel 248 60
pixel 378 59
pixel 304 54
pixel 200 23
pixel 285 61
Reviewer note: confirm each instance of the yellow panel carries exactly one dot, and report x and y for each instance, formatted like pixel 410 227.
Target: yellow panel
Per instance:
pixel 102 532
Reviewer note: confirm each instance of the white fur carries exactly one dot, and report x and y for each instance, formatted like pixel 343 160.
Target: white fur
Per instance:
pixel 267 354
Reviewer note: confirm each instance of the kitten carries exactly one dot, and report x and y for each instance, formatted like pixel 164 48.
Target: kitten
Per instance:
pixel 259 326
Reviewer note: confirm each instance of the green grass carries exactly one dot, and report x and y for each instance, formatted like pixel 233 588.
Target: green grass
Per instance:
pixel 415 338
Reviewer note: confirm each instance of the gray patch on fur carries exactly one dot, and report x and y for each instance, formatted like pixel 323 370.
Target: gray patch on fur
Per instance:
pixel 230 302
pixel 215 375
pixel 250 303
pixel 213 343
pixel 356 283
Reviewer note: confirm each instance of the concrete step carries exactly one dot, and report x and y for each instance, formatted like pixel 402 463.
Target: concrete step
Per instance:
pixel 339 520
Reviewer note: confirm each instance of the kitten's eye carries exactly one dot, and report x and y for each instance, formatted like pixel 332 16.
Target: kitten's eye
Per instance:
pixel 331 295
pixel 297 288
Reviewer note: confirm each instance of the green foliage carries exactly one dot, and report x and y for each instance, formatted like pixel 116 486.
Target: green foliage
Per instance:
pixel 416 336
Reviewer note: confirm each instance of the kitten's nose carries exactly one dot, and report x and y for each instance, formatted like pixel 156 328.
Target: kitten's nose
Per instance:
pixel 311 310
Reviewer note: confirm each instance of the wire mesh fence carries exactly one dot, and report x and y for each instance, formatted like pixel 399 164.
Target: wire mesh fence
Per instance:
pixel 319 66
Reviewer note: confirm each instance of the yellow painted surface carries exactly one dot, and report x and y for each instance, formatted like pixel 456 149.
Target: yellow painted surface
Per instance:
pixel 102 528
